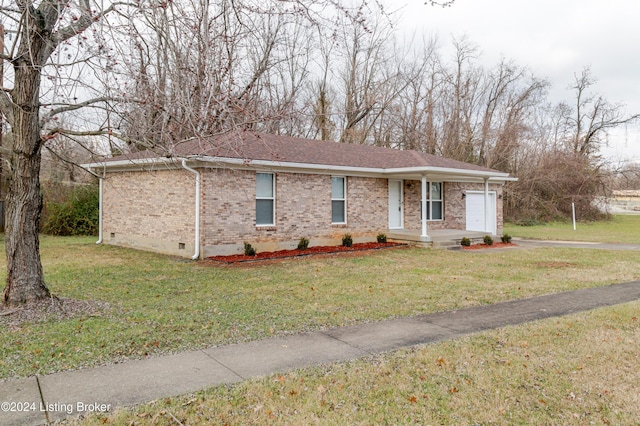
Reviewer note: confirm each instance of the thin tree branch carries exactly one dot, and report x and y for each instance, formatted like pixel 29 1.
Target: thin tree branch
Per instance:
pixel 85 21
pixel 68 108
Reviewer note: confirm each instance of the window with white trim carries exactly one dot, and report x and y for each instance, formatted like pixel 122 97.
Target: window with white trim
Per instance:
pixel 338 199
pixel 265 199
pixel 434 204
pixel 434 201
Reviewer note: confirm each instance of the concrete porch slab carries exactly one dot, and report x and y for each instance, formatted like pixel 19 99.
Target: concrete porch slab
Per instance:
pixel 436 238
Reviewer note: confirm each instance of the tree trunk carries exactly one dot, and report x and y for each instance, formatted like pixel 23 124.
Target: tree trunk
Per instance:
pixel 25 279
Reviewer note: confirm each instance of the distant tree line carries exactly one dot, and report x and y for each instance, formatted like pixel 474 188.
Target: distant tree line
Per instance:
pixel 200 68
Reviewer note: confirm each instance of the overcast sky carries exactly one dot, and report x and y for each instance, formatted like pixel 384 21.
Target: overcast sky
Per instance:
pixel 556 39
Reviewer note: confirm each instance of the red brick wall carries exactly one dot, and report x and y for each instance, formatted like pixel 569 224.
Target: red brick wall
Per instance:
pixel 303 209
pixel 155 210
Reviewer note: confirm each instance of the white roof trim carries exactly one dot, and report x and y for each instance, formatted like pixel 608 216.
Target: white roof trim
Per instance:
pixel 130 163
pixel 309 167
pixel 447 170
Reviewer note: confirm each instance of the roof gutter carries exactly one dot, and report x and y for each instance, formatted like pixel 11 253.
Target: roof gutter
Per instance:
pixel 132 162
pixel 196 254
pixel 475 174
pixel 472 174
pixel 482 174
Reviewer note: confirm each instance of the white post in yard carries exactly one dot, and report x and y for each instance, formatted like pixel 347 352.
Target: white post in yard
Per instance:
pixel 424 206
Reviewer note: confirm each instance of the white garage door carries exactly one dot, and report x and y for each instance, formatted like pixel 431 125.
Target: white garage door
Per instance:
pixel 476 212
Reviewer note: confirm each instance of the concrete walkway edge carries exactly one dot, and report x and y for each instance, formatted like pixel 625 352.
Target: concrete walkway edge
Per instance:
pixel 43 399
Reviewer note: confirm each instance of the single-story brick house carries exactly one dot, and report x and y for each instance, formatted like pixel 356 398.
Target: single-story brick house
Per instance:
pixel 213 194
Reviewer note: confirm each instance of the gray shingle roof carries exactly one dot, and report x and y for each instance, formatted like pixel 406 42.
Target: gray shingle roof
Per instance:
pixel 252 146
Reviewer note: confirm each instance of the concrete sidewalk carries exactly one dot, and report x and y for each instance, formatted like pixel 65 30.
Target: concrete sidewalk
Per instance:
pixel 42 399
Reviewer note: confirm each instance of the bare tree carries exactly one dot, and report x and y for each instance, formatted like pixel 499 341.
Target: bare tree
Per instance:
pixel 204 68
pixel 513 97
pixel 417 104
pixel 593 116
pixel 562 164
pixel 321 98
pixel 363 51
pixel 626 177
pixel 259 73
pixel 47 35
pixel 462 90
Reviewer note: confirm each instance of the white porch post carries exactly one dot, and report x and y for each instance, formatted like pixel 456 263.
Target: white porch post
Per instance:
pixel 424 206
pixel 486 204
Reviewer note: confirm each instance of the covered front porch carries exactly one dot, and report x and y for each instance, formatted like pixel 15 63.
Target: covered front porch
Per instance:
pixel 435 206
pixel 442 238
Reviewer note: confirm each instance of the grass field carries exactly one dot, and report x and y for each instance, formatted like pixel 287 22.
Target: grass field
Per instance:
pixel 161 304
pixel 576 370
pixel 620 229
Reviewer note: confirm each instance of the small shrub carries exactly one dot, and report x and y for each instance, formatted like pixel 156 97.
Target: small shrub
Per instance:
pixel 465 242
pixel 303 243
pixel 382 238
pixel 249 250
pixel 347 241
pixel 488 240
pixel 506 238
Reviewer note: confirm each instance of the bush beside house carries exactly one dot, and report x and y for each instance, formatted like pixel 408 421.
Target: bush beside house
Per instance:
pixel 70 210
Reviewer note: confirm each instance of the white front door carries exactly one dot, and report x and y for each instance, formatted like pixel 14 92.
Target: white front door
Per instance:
pixel 476 212
pixel 395 205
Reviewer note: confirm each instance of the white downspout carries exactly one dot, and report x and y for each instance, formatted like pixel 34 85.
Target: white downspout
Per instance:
pixel 424 206
pixel 196 254
pixel 100 213
pixel 486 204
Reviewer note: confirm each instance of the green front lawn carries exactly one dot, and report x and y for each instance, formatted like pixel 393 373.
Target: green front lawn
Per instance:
pixel 620 229
pixel 161 304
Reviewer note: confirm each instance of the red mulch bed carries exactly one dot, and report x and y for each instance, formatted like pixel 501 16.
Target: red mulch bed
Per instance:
pixel 486 246
pixel 281 254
